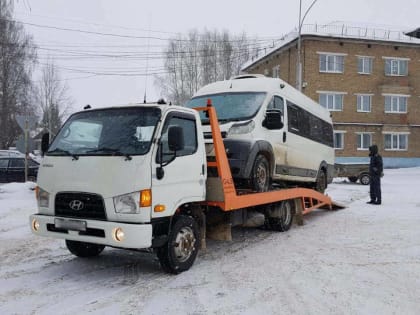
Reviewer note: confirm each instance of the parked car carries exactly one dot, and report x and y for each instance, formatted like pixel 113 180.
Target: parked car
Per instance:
pixel 12 169
pixel 11 153
pixel 354 172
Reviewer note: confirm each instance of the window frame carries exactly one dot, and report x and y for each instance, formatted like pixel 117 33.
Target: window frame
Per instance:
pixel 334 107
pixel 360 135
pixel 363 59
pixel 395 62
pixel 398 97
pixel 334 62
pixel 339 133
pixel 359 106
pixel 276 72
pixel 397 146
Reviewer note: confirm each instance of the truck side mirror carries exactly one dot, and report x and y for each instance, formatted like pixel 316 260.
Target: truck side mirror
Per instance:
pixel 273 119
pixel 45 143
pixel 175 138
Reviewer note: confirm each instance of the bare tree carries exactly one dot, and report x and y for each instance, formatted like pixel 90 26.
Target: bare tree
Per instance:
pixel 198 59
pixel 17 59
pixel 53 98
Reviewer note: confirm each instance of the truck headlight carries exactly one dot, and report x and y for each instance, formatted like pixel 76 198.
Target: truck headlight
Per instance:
pixel 243 128
pixel 127 203
pixel 43 197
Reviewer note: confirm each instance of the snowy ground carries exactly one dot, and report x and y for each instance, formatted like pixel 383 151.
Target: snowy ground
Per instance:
pixel 364 259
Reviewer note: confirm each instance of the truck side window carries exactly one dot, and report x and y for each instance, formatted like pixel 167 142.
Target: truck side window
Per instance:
pixel 190 138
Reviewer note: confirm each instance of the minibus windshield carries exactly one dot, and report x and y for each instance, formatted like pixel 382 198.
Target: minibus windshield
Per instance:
pixel 230 106
pixel 116 131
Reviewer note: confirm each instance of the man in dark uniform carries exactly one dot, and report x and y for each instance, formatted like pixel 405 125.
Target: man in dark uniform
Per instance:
pixel 375 171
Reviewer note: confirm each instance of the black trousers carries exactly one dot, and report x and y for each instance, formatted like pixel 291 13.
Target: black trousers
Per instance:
pixel 375 189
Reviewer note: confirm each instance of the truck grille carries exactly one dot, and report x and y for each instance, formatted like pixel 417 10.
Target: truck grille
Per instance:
pixel 80 205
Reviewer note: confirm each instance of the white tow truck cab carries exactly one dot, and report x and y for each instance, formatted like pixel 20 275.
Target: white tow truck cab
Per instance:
pixel 116 176
pixel 138 177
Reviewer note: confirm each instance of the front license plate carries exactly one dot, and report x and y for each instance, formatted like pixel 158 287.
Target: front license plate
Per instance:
pixel 67 224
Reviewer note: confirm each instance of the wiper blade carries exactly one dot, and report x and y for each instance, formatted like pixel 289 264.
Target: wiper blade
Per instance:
pixel 111 150
pixel 59 150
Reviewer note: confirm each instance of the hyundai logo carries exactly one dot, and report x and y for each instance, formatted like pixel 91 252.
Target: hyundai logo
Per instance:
pixel 76 205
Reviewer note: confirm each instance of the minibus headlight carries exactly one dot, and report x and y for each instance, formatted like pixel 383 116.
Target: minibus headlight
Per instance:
pixel 43 197
pixel 243 128
pixel 127 203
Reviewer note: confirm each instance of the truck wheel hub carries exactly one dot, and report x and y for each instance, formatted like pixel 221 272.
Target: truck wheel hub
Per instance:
pixel 184 244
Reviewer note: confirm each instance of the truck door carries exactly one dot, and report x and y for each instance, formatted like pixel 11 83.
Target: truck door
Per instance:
pixel 278 137
pixel 183 178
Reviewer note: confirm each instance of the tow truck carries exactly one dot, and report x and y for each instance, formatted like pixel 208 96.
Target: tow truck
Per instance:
pixel 159 191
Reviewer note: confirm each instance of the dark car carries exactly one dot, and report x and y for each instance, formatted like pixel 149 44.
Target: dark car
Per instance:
pixel 12 169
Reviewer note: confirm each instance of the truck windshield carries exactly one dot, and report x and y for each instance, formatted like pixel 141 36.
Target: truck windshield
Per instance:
pixel 230 106
pixel 122 131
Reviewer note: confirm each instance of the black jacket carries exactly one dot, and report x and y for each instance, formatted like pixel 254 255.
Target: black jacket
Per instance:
pixel 376 165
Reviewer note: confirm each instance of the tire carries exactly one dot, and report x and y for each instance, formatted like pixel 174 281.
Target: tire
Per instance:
pixel 179 253
pixel 82 249
pixel 321 181
pixel 280 216
pixel 353 179
pixel 364 179
pixel 260 175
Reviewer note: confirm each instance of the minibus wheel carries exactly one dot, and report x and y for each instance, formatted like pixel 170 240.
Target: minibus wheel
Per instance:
pixel 260 174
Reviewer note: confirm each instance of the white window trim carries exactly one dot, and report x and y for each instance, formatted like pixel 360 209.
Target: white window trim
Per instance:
pixel 331 53
pixel 363 133
pixel 364 94
pixel 396 95
pixel 396 133
pixel 276 70
pixel 396 58
pixel 331 92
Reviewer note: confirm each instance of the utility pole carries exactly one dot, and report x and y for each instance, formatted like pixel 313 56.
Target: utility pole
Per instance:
pixel 299 69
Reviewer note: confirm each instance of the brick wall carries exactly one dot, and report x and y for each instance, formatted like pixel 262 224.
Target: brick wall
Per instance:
pixel 351 83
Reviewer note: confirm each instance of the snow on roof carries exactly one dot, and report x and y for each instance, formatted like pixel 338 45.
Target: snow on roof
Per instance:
pixel 337 30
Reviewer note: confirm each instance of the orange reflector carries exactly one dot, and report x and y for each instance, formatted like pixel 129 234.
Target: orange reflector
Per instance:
pixel 146 198
pixel 209 104
pixel 160 208
pixel 36 192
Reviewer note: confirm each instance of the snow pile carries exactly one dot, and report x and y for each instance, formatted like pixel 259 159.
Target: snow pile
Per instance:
pixel 364 259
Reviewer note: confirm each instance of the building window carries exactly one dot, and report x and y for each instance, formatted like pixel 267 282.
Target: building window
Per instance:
pixel 276 72
pixel 332 101
pixel 396 141
pixel 364 140
pixel 364 64
pixel 396 66
pixel 364 102
pixel 395 103
pixel 331 63
pixel 339 140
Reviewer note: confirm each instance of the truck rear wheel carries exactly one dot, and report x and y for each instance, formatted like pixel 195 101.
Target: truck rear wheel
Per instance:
pixel 260 175
pixel 280 216
pixel 179 253
pixel 82 249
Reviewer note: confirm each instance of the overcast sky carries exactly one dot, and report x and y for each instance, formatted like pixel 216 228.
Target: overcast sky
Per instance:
pixel 267 19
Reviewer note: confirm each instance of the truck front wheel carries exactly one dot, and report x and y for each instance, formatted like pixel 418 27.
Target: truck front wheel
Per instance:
pixel 179 253
pixel 82 249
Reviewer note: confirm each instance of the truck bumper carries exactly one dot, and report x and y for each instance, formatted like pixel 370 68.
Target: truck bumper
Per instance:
pixel 136 236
